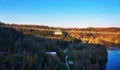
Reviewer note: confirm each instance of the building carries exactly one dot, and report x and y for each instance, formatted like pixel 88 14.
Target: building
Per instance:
pixel 65 51
pixel 71 62
pixel 51 53
pixel 58 32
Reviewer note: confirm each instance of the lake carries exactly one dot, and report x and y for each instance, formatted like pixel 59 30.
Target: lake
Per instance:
pixel 113 58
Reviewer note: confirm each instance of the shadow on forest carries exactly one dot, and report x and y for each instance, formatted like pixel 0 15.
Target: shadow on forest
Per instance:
pixel 27 52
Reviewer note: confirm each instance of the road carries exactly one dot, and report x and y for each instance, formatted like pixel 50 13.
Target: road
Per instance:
pixel 67 64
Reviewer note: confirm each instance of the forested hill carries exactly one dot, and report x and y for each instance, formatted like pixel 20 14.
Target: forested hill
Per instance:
pixel 95 29
pixel 22 50
pixel 105 36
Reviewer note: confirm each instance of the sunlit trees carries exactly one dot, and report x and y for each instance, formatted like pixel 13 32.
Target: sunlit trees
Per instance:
pixel 28 52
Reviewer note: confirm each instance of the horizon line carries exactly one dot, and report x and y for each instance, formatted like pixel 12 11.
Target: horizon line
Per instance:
pixel 58 26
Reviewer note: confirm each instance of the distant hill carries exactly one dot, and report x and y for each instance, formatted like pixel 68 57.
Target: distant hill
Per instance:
pixel 105 36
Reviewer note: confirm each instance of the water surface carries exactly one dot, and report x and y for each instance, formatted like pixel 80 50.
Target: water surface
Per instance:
pixel 113 58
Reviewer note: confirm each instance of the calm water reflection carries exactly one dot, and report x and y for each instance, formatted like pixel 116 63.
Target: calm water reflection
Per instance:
pixel 113 59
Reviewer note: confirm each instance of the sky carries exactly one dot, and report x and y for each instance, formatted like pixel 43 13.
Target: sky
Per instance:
pixel 61 13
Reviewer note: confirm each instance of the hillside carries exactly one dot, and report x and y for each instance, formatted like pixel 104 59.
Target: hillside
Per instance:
pixel 104 36
pixel 22 50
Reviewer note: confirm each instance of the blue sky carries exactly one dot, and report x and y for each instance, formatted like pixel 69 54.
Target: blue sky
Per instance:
pixel 62 13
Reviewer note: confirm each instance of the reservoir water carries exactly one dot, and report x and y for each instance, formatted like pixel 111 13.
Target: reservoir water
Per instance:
pixel 113 58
